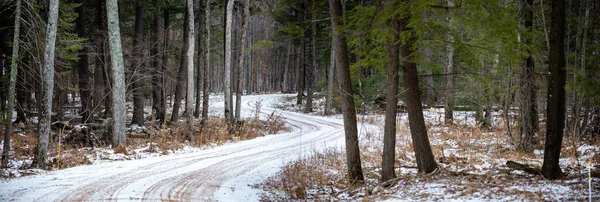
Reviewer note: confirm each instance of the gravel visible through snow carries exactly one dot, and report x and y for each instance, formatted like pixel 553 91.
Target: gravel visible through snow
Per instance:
pixel 223 173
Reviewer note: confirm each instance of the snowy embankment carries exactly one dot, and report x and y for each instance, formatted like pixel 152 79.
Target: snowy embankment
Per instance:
pixel 223 173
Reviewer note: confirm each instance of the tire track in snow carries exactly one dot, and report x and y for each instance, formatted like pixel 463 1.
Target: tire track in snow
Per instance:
pixel 187 177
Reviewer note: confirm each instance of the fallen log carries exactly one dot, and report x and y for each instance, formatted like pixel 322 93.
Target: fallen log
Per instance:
pixel 522 167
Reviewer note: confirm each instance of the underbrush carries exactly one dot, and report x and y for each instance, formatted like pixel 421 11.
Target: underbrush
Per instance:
pixel 472 166
pixel 141 143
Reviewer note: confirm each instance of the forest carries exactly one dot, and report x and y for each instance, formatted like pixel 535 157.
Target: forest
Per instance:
pixel 424 94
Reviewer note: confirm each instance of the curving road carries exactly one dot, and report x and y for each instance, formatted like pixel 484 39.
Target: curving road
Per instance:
pixel 224 173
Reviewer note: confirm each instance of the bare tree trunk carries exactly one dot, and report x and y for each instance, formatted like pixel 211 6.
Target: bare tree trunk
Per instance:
pixel 309 62
pixel 556 93
pixel 330 75
pixel 118 73
pixel 198 58
pixel 352 150
pixel 430 94
pixel 189 57
pixel 424 156
pixel 136 63
pixel 205 90
pixel 83 66
pixel 165 62
pixel 12 84
pixel 48 89
pixel 157 64
pixel 300 74
pixel 449 71
pixel 238 99
pixel 389 134
pixel 285 74
pixel 528 105
pixel 228 60
pixel 181 75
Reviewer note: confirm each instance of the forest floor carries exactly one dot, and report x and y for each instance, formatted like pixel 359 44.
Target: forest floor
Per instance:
pixel 472 165
pixel 215 172
pixel 306 161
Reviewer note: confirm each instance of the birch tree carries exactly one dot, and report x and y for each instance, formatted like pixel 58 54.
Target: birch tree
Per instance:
pixel 189 104
pixel 48 87
pixel 12 85
pixel 118 74
pixel 228 52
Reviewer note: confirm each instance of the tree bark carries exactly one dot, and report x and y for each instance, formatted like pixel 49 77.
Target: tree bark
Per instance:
pixel 309 62
pixel 528 106
pixel 198 57
pixel 389 133
pixel 348 109
pixel 118 73
pixel 301 69
pixel 136 63
pixel 165 60
pixel 330 75
pixel 48 87
pixel 449 71
pixel 228 60
pixel 83 66
pixel 157 64
pixel 189 57
pixel 238 99
pixel 12 84
pixel 556 93
pixel 205 90
pixel 424 156
pixel 181 75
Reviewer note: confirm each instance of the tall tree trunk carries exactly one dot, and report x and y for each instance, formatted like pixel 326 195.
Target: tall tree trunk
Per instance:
pixel 556 93
pixel 389 133
pixel 238 99
pixel 228 60
pixel 189 57
pixel 48 87
pixel 165 60
pixel 181 75
pixel 83 66
pixel 285 74
pixel 118 74
pixel 12 84
pixel 136 63
pixel 330 75
pixel 424 156
pixel 157 64
pixel 300 74
pixel 348 109
pixel 528 106
pixel 205 90
pixel 430 94
pixel 309 62
pixel 449 71
pixel 199 55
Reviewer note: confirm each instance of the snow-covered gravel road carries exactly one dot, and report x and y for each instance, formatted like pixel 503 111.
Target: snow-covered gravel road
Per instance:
pixel 223 173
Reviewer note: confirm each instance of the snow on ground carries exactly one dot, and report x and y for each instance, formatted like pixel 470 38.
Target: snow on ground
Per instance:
pixel 472 162
pixel 229 172
pixel 224 172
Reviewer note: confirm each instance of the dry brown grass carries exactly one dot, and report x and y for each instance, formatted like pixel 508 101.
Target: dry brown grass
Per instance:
pixel 472 160
pixel 164 140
